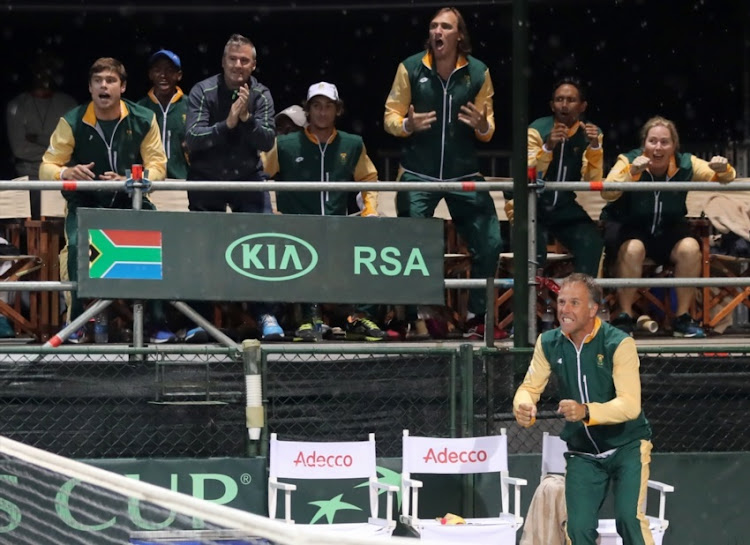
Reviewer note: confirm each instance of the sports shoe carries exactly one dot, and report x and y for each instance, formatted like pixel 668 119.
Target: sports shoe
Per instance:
pixel 685 326
pixel 306 333
pixel 625 323
pixel 476 331
pixel 197 335
pixel 81 336
pixel 162 336
pixel 271 329
pixel 363 329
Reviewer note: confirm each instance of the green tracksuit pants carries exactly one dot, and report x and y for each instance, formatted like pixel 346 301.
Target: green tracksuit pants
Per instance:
pixel 579 235
pixel 475 218
pixel 586 482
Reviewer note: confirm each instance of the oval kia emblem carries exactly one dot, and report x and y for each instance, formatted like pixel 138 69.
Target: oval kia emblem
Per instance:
pixel 271 257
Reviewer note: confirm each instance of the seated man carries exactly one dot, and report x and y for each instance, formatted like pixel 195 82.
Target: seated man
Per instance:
pixel 640 224
pixel 100 140
pixel 563 148
pixel 322 152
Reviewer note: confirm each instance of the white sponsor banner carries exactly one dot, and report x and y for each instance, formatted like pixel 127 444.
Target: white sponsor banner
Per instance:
pixel 303 460
pixel 464 455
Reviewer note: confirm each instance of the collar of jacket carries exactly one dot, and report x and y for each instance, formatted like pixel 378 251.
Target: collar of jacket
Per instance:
pixel 178 94
pixel 590 336
pixel 89 117
pixel 427 60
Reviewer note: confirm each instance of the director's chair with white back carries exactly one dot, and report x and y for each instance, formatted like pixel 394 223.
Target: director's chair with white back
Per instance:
pixel 553 461
pixel 304 460
pixel 460 456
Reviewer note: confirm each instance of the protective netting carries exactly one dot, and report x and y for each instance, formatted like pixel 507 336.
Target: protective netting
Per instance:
pixel 46 499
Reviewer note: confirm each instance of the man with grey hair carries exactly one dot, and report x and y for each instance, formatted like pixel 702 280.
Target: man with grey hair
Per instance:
pixel 608 436
pixel 230 121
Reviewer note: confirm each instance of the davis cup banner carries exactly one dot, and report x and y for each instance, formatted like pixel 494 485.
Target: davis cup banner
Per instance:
pixel 135 254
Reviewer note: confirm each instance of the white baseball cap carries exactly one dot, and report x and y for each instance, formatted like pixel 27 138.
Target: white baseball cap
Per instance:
pixel 296 114
pixel 323 89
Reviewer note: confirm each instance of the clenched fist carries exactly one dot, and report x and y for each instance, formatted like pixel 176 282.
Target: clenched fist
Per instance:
pixel 526 414
pixel 509 210
pixel 639 164
pixel 718 164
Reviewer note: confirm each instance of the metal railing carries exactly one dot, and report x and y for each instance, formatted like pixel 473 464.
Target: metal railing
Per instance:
pixel 737 185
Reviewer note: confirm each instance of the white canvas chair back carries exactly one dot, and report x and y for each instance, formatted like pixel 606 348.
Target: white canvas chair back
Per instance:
pixel 313 460
pixel 460 456
pixel 53 204
pixel 440 455
pixel 15 203
pixel 325 461
pixel 553 454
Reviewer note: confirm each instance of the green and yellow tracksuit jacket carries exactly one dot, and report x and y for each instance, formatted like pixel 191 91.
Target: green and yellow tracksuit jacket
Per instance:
pixel 656 210
pixel 171 121
pixel 300 157
pixel 603 374
pixel 445 151
pixel 79 140
pixel 571 160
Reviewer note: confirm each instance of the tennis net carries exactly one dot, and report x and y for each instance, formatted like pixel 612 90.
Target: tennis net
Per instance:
pixel 47 499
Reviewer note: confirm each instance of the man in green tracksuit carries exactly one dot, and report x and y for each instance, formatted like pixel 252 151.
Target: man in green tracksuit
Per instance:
pixel 608 436
pixel 169 104
pixel 561 147
pixel 321 152
pixel 100 140
pixel 440 104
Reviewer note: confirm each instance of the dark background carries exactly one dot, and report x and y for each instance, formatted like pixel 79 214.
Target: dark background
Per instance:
pixel 686 60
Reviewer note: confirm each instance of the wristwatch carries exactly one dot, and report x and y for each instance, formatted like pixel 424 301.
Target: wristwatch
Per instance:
pixel 586 414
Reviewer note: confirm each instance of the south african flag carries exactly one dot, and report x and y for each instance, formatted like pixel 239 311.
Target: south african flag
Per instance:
pixel 125 255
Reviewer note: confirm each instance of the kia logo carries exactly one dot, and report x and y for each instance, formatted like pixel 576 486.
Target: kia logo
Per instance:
pixel 271 257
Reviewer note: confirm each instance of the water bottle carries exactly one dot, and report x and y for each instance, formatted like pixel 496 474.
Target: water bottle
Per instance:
pixel 548 316
pixel 604 311
pixel 317 321
pixel 101 328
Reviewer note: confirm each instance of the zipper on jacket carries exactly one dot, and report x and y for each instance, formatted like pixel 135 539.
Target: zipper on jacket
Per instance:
pixel 583 391
pixel 324 176
pixel 657 211
pixel 166 136
pixel 450 103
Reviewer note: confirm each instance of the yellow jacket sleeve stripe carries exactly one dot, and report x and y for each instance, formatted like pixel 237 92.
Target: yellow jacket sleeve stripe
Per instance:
pixel 365 171
pixel 536 378
pixel 702 172
pixel 271 160
pixel 59 152
pixel 593 163
pixel 627 402
pixel 538 158
pixel 152 153
pixel 397 103
pixel 484 96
